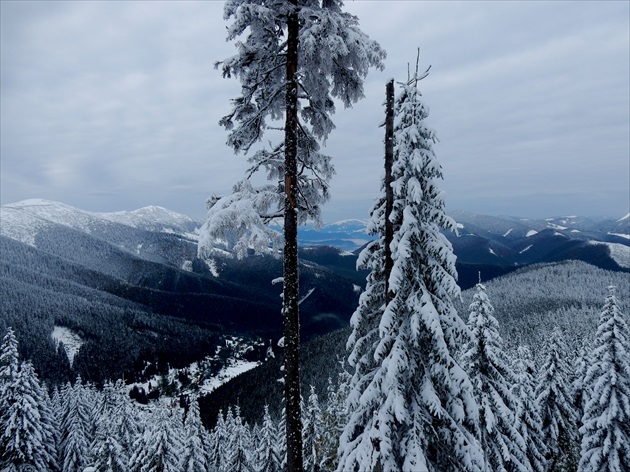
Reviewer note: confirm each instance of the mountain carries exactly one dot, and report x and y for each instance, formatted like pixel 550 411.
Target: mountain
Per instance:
pixel 130 283
pixel 528 302
pixel 131 287
pixel 509 241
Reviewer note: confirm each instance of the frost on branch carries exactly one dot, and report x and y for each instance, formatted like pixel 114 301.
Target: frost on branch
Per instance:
pixel 236 223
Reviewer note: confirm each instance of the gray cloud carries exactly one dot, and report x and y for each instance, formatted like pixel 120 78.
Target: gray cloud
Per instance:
pixel 114 105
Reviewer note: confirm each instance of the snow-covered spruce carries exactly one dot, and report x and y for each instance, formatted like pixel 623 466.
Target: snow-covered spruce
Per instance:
pixel 492 376
pixel 606 420
pixel 553 396
pixel 527 418
pixel 412 407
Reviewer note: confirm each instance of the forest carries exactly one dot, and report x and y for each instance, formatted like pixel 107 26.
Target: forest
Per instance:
pixel 526 372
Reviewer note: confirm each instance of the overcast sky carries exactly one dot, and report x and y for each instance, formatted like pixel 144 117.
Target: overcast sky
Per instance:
pixel 115 105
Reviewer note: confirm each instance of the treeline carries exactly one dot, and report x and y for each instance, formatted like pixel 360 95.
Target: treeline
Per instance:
pixel 553 415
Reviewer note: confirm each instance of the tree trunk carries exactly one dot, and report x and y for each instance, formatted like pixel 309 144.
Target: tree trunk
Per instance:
pixel 389 192
pixel 291 286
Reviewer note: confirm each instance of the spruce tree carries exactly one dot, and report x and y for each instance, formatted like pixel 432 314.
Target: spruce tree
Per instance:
pixel 159 448
pixel 527 420
pixel 312 433
pixel 194 454
pixel 558 415
pixel 606 420
pixel 492 377
pixel 267 457
pixel 412 406
pixel 27 437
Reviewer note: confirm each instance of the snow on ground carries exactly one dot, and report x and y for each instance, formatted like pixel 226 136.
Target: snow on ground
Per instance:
pixel 618 252
pixel 71 341
pixel 227 373
pixel 531 232
pixel 527 248
pixel 508 232
pixel 554 226
pixel 212 265
pixel 627 236
pixel 346 253
pixel 624 218
pixel 492 252
pixel 356 288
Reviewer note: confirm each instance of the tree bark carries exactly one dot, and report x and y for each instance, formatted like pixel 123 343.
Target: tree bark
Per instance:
pixel 389 192
pixel 291 283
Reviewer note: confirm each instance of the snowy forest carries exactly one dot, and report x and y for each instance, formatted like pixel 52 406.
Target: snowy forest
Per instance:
pixel 428 378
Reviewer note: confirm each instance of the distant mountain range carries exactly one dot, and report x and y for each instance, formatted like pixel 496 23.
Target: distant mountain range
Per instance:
pixel 132 280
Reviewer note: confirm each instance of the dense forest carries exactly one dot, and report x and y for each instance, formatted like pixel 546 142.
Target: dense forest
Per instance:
pixel 550 382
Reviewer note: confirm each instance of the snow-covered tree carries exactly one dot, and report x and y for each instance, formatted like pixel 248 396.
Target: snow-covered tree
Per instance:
pixel 297 56
pixel 492 377
pixel 194 454
pixel 527 420
pixel 239 453
pixel 579 389
pixel 312 432
pixel 217 455
pixel 557 413
pixel 74 428
pixel 267 457
pixel 159 448
pixel 606 420
pixel 27 437
pixel 412 406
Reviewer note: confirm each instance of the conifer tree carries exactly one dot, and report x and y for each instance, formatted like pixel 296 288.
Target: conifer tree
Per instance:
pixel 492 377
pixel 194 454
pixel 159 448
pixel 240 446
pixel 218 438
pixel 412 406
pixel 528 421
pixel 557 413
pixel 297 57
pixel 27 436
pixel 312 432
pixel 606 420
pixel 268 459
pixel 74 444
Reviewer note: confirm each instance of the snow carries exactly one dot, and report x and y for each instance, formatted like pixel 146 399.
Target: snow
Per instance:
pixel 626 236
pixel 531 232
pixel 492 252
pixel 555 226
pixel 527 248
pixel 212 265
pixel 346 253
pixel 187 266
pixel 618 252
pixel 624 218
pixel 72 342
pixel 508 232
pixel 459 225
pixel 235 369
pixel 356 288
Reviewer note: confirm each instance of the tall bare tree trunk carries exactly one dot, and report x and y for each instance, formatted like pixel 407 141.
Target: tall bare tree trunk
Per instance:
pixel 389 192
pixel 291 285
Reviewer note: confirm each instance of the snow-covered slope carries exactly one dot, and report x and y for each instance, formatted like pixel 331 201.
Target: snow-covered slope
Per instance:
pixel 22 220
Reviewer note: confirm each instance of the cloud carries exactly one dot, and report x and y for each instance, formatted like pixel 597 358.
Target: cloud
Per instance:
pixel 117 103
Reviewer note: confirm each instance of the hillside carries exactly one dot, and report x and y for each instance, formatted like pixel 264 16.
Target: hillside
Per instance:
pixel 131 287
pixel 130 283
pixel 528 304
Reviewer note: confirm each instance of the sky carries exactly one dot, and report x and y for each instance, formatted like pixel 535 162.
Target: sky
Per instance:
pixel 111 106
